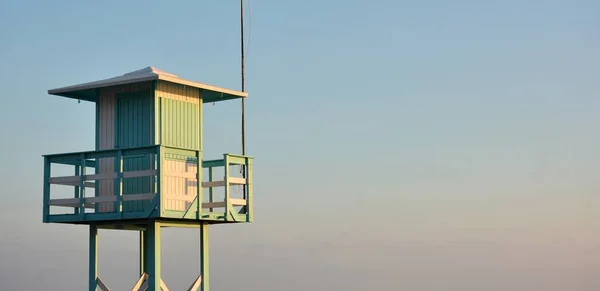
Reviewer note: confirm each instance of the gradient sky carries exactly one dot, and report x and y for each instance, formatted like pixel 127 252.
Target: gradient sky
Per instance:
pixel 434 145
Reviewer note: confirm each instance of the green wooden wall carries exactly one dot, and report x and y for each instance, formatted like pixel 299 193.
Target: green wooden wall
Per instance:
pixel 180 123
pixel 179 116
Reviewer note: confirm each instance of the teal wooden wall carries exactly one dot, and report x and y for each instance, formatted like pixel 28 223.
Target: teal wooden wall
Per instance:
pixel 134 119
pixel 134 128
pixel 114 131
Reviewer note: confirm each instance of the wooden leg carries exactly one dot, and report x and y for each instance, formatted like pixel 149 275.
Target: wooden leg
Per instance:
pixel 204 271
pixel 153 262
pixel 93 259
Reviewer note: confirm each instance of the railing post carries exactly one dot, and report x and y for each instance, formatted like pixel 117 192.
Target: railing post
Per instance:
pixel 77 209
pixel 156 177
pixel 118 186
pixel 249 204
pixel 226 178
pixel 159 173
pixel 46 209
pixel 82 187
pixel 199 172
pixel 211 172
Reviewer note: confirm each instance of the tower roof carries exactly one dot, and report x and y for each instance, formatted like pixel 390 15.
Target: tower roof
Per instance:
pixel 86 91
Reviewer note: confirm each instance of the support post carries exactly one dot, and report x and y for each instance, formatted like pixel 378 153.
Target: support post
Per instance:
pixel 153 262
pixel 143 251
pixel 204 271
pixel 93 259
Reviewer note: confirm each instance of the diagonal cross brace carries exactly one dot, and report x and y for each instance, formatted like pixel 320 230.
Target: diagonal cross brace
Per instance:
pixel 142 284
pixel 193 207
pixel 101 285
pixel 142 281
pixel 163 286
pixel 196 284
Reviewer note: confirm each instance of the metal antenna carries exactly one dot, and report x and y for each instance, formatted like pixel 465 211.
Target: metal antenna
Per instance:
pixel 243 77
pixel 243 170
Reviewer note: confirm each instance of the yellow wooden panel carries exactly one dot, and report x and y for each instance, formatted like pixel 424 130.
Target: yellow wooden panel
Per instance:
pixel 179 188
pixel 178 92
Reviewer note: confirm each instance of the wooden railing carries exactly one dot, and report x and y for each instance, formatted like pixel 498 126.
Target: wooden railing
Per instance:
pixel 112 169
pixel 153 181
pixel 229 203
pixel 180 172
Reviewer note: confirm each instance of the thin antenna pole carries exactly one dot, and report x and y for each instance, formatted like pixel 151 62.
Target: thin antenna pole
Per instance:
pixel 243 77
pixel 243 169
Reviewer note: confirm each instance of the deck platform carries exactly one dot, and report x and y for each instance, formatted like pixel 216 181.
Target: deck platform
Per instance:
pixel 119 186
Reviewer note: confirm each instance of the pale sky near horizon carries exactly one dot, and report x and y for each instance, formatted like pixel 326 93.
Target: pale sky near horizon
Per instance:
pixel 434 145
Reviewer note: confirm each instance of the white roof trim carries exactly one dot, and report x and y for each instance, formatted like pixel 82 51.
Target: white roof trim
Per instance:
pixel 146 74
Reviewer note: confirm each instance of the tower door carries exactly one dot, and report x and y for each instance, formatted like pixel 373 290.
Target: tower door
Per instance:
pixel 134 128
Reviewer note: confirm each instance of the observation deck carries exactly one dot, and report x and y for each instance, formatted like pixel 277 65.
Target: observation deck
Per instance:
pixel 108 186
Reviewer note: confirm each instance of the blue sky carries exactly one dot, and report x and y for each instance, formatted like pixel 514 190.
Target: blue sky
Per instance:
pixel 434 145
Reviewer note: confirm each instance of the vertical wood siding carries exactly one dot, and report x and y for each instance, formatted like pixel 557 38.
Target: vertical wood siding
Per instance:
pixel 180 110
pixel 134 125
pixel 177 92
pixel 180 126
pixel 179 192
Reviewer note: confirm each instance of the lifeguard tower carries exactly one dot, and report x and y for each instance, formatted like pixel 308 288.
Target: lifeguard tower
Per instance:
pixel 147 170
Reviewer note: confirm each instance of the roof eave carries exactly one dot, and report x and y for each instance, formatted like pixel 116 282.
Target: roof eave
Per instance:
pixel 79 91
pixel 203 86
pixel 98 84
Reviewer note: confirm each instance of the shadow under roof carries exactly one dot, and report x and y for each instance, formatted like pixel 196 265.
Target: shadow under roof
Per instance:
pixel 87 91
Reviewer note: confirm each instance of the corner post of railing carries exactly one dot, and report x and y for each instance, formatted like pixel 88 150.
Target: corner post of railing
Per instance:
pixel 211 199
pixel 159 173
pixel 226 179
pixel 118 186
pixel 82 169
pixel 46 209
pixel 249 196
pixel 199 190
pixel 156 177
pixel 77 210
